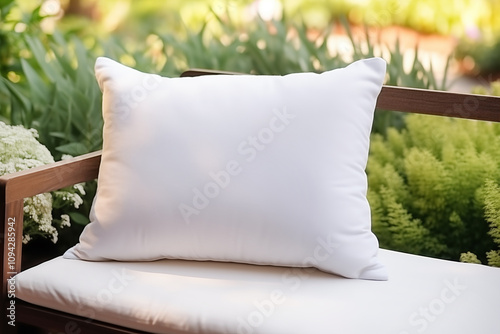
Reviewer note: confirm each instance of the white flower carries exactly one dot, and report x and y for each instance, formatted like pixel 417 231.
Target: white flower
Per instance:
pixel 79 188
pixel 26 238
pixel 65 221
pixel 20 150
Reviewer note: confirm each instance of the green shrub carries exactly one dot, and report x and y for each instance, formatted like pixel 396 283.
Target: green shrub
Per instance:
pixel 433 187
pixel 492 212
pixel 481 54
pixel 57 94
pixel 20 150
pixel 47 83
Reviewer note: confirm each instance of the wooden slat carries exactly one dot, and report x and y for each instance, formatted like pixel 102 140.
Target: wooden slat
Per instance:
pixel 11 226
pixel 50 177
pixel 61 322
pixel 196 72
pixel 430 102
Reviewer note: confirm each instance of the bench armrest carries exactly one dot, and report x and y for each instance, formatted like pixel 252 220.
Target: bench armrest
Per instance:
pixel 15 187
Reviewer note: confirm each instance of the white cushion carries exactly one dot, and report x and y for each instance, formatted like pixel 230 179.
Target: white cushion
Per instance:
pixel 251 169
pixel 423 295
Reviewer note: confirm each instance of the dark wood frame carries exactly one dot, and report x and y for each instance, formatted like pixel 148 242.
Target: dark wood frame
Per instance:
pixel 17 186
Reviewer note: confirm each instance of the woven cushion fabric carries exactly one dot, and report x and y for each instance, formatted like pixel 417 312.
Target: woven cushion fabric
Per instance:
pixel 423 295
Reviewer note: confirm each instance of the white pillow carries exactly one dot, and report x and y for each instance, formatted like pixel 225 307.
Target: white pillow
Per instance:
pixel 255 169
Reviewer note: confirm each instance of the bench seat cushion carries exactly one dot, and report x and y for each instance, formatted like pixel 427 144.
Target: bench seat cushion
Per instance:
pixel 179 296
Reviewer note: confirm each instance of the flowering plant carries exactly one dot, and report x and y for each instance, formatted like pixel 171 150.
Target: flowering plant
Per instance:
pixel 20 150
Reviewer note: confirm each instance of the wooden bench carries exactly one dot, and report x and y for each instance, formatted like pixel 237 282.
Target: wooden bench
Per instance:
pixel 15 187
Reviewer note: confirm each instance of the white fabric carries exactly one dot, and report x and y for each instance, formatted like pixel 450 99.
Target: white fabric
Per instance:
pixel 251 169
pixel 423 295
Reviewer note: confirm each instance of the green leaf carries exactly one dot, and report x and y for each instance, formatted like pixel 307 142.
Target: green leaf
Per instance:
pixel 17 95
pixel 36 83
pixel 60 135
pixel 39 53
pixel 73 149
pixel 5 7
pixel 78 218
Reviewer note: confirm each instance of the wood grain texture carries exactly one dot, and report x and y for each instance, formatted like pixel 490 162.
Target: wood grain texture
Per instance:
pixel 61 322
pixel 433 102
pixel 11 242
pixel 50 177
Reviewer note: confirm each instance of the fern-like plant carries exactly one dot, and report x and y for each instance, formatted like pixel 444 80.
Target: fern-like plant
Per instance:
pixel 492 210
pixel 434 187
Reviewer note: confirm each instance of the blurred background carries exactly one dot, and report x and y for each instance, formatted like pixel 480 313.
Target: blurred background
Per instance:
pixel 421 201
pixel 468 29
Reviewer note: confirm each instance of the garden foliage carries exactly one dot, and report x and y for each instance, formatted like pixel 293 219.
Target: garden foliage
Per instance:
pixel 48 84
pixel 433 181
pixel 429 16
pixel 434 188
pixel 20 150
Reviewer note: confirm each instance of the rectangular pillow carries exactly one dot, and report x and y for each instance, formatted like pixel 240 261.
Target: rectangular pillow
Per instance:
pixel 263 170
